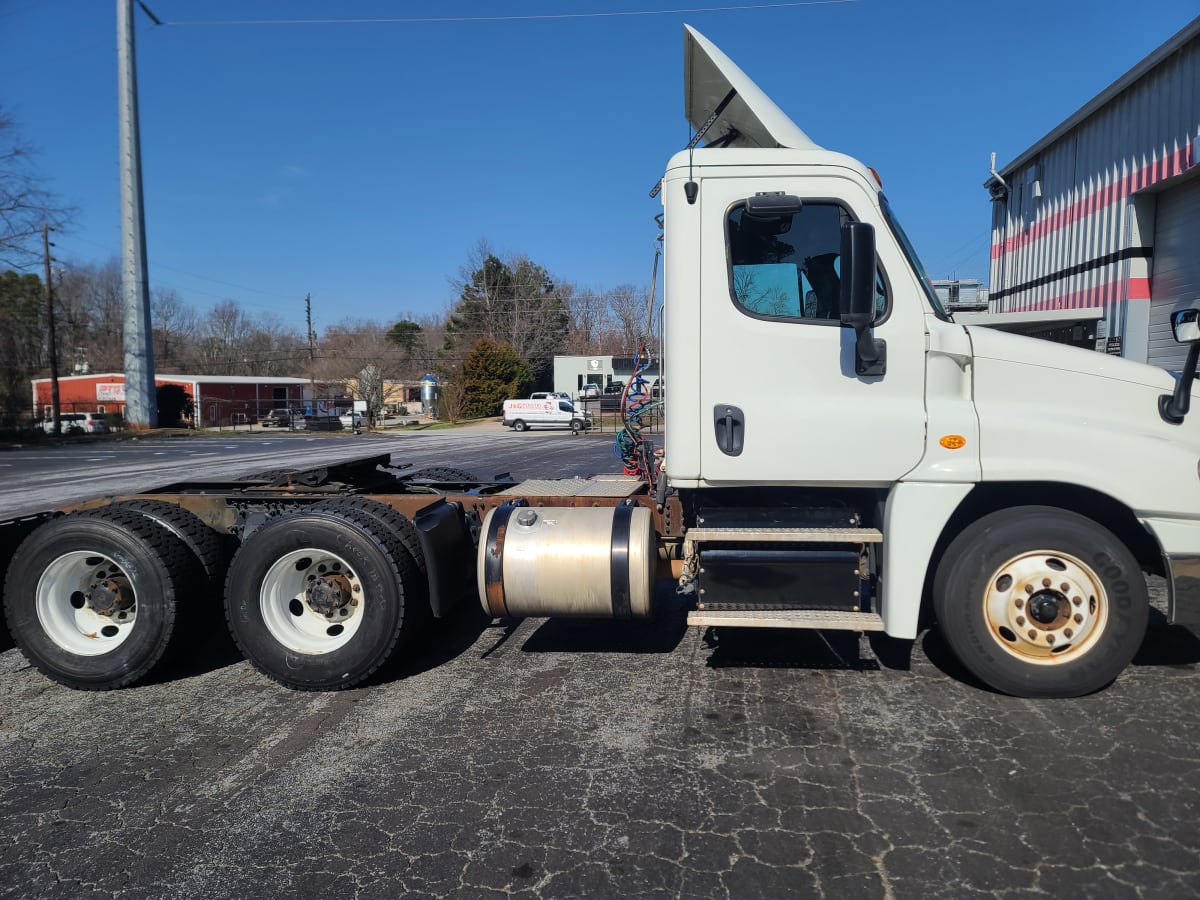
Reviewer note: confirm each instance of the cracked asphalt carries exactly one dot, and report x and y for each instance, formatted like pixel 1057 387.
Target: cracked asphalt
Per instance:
pixel 561 758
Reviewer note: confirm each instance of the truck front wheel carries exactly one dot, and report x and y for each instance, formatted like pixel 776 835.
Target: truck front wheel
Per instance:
pixel 318 600
pixel 1041 602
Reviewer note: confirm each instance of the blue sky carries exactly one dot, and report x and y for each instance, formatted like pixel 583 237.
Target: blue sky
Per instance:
pixel 361 162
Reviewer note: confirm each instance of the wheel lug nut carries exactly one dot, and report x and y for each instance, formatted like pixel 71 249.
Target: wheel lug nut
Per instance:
pixel 1045 582
pixel 1020 621
pixel 1064 587
pixel 1029 588
pixel 1078 618
pixel 1067 632
pixel 1032 635
pixel 1020 604
pixel 1078 601
pixel 1049 639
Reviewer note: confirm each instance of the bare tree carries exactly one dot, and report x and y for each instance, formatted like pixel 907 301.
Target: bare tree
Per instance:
pixel 89 316
pixel 25 204
pixel 628 306
pixel 589 322
pixel 370 365
pixel 175 329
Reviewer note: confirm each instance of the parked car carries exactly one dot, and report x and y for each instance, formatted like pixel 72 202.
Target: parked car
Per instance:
pixel 353 420
pixel 549 395
pixel 589 392
pixel 78 423
pixel 281 418
pixel 614 387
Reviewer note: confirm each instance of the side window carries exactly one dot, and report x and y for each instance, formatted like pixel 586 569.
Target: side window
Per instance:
pixel 788 266
pixel 564 406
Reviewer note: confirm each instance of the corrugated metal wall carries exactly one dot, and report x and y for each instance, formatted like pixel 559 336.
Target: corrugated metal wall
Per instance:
pixel 1176 269
pixel 1071 248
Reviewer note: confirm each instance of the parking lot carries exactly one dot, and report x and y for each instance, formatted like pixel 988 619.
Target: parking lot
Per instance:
pixel 559 758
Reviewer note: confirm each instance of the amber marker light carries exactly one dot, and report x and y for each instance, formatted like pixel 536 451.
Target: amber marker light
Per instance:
pixel 953 441
pixel 878 180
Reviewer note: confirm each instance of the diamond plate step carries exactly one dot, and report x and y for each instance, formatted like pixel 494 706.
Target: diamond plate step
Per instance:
pixel 788 535
pixel 787 618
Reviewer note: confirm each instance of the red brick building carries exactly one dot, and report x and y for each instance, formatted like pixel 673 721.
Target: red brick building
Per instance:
pixel 217 399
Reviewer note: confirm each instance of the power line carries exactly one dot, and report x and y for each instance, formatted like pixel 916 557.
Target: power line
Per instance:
pixel 525 18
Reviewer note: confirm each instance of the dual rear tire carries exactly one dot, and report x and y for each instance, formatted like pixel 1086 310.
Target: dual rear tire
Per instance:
pixel 317 600
pixel 322 599
pixel 94 599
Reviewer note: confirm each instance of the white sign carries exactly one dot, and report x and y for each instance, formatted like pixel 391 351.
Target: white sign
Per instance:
pixel 1101 328
pixel 110 393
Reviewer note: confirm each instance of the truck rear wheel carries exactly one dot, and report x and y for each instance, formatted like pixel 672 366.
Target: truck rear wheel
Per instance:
pixel 519 425
pixel 1041 602
pixel 91 597
pixel 319 600
pixel 205 543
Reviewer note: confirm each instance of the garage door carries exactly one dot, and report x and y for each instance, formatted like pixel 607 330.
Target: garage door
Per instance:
pixel 1176 272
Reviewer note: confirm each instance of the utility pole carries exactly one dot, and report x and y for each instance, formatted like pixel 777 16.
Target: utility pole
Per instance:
pixel 312 353
pixel 141 407
pixel 55 409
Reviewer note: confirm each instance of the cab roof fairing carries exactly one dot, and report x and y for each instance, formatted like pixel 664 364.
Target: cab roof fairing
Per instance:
pixel 749 119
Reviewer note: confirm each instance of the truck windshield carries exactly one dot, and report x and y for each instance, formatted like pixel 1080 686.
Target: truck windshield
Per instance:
pixel 913 260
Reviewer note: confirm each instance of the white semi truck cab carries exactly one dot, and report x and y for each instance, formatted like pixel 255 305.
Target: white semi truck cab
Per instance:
pixel 813 367
pixel 839 454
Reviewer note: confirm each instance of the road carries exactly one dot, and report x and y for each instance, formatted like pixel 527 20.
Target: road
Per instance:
pixel 555 758
pixel 37 478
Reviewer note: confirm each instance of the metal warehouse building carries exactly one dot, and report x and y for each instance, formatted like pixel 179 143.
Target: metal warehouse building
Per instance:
pixel 1096 228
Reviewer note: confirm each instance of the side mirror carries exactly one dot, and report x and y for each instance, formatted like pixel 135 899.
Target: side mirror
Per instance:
pixel 1185 323
pixel 858 268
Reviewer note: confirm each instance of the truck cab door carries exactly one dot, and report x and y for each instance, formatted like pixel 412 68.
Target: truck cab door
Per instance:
pixel 780 400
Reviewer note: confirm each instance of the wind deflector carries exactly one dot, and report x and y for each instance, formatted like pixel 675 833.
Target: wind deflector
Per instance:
pixel 748 119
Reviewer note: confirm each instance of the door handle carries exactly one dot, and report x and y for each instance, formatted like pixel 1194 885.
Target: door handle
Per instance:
pixel 729 423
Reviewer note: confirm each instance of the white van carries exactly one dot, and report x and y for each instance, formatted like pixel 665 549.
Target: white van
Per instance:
pixel 548 412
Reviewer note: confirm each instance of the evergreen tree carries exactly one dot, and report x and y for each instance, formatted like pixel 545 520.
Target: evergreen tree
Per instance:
pixel 491 374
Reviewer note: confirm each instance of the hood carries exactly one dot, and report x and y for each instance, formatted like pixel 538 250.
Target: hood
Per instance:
pixel 714 85
pixel 988 343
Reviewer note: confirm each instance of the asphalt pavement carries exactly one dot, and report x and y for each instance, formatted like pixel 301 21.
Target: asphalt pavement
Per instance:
pixel 561 758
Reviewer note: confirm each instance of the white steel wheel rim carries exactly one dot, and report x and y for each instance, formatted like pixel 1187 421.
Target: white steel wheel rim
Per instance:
pixel 312 601
pixel 1046 607
pixel 85 603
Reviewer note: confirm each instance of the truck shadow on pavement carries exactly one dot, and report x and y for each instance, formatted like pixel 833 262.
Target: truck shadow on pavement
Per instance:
pixel 1165 645
pixel 786 648
pixel 660 634
pixel 210 647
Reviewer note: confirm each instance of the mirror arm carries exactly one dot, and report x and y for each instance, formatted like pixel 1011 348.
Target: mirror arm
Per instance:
pixel 1174 407
pixel 870 354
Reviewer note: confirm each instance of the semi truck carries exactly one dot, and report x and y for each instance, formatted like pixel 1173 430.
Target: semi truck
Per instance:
pixel 889 469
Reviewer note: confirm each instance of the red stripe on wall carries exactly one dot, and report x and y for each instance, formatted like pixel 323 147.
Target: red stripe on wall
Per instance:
pixel 1138 289
pixel 1171 164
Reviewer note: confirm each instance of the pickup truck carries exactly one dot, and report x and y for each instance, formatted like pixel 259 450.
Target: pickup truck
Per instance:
pixel 282 418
